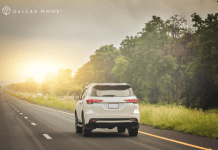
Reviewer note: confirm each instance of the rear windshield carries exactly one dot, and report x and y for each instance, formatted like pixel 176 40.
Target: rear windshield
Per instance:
pixel 112 90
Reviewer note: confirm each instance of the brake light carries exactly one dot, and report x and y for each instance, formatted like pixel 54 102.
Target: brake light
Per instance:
pixel 92 120
pixel 91 101
pixel 132 100
pixel 134 119
pixel 136 101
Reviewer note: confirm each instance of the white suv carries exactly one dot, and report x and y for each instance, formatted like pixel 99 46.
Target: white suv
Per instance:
pixel 107 105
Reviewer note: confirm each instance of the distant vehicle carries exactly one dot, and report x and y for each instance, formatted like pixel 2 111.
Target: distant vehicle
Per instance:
pixel 39 94
pixel 107 105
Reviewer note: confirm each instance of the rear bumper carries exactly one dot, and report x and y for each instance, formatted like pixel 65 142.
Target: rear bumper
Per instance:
pixel 90 115
pixel 112 122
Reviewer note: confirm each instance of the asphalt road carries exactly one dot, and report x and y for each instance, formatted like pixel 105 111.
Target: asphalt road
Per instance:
pixel 25 126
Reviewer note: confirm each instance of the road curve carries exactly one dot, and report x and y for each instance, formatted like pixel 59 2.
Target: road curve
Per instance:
pixel 26 126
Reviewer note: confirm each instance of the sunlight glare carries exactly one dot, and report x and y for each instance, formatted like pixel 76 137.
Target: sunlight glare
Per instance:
pixel 38 70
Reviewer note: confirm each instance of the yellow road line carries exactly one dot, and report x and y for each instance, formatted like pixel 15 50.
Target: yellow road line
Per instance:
pixel 174 141
pixel 138 131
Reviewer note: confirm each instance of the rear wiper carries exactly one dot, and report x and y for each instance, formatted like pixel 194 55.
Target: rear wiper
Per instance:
pixel 108 95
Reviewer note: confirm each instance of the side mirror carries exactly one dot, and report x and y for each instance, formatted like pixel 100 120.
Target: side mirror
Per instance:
pixel 76 97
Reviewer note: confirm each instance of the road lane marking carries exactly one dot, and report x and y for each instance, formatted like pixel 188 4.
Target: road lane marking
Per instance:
pixel 26 117
pixel 10 104
pixel 31 135
pixel 183 143
pixel 47 136
pixel 48 108
pixel 21 113
pixel 33 123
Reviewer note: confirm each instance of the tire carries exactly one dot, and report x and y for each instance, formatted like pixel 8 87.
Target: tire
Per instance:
pixel 133 132
pixel 85 132
pixel 121 129
pixel 77 128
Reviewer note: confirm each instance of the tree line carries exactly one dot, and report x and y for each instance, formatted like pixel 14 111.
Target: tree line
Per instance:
pixel 59 84
pixel 169 61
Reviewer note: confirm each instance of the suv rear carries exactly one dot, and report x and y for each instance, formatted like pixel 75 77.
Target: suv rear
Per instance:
pixel 107 105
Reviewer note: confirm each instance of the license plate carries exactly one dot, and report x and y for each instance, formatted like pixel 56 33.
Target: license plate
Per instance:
pixel 113 106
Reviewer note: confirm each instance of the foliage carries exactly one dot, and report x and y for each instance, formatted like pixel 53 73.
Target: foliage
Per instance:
pixel 30 86
pixel 207 46
pixel 165 63
pixel 98 69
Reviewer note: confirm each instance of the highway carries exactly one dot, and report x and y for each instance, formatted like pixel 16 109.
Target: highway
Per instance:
pixel 26 126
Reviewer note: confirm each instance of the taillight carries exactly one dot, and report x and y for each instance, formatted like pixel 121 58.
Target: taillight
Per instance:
pixel 92 120
pixel 134 119
pixel 136 101
pixel 132 100
pixel 91 101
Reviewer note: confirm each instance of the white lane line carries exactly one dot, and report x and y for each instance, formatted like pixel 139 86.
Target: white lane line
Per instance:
pixel 33 123
pixel 46 107
pixel 10 104
pixel 21 113
pixel 26 117
pixel 47 136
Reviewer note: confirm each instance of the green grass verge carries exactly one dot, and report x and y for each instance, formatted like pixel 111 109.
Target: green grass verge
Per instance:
pixel 212 111
pixel 179 118
pixel 64 104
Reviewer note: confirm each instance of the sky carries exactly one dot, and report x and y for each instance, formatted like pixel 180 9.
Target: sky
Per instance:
pixel 64 33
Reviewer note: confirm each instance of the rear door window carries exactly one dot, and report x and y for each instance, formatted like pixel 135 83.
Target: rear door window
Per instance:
pixel 112 91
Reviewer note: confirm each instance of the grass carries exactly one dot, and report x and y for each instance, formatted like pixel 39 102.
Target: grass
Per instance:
pixel 172 117
pixel 64 104
pixel 212 111
pixel 51 101
pixel 179 118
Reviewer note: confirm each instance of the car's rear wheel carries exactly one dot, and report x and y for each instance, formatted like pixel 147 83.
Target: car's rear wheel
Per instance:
pixel 77 128
pixel 133 132
pixel 121 129
pixel 85 132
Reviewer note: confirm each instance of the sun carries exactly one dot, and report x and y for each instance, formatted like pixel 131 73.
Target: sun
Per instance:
pixel 38 70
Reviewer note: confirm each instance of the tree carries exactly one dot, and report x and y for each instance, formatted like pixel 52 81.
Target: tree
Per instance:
pixel 206 46
pixel 144 71
pixel 49 83
pixel 121 68
pixel 204 67
pixel 98 69
pixel 63 81
pixel 31 85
